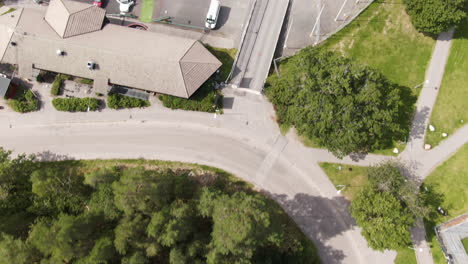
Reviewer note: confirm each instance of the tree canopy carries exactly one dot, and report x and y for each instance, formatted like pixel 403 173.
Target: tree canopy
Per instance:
pixel 134 215
pixel 340 105
pixel 436 16
pixel 387 207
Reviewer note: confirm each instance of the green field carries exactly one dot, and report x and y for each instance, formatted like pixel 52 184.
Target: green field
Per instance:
pixel 452 102
pixel 384 38
pixel 354 178
pixel 146 13
pixel 465 244
pixel 450 182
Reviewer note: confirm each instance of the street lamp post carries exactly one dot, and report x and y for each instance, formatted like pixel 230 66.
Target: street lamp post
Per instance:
pixel 341 186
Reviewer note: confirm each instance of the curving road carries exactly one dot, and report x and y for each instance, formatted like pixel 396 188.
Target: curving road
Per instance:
pixel 236 142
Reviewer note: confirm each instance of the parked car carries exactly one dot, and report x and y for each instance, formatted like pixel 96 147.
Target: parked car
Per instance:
pixel 212 16
pixel 125 5
pixel 97 3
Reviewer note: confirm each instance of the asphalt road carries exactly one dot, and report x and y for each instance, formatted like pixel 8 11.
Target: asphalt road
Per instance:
pixel 323 219
pixel 245 144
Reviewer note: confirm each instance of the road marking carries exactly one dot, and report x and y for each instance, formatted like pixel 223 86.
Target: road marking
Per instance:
pixel 341 9
pixel 287 33
pixel 316 21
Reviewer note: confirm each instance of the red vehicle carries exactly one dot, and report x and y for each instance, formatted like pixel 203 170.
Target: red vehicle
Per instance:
pixel 97 3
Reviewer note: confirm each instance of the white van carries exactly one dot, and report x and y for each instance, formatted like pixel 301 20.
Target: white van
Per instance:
pixel 212 16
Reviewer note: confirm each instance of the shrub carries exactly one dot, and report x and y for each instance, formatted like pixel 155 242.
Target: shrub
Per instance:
pixel 40 77
pixel 86 81
pixel 202 100
pixel 117 101
pixel 57 83
pixel 24 102
pixel 76 104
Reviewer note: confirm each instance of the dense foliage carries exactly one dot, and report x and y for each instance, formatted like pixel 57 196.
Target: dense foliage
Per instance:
pixel 436 16
pixel 24 101
pixel 76 104
pixel 387 207
pixel 57 83
pixel 117 214
pixel 338 104
pixel 117 101
pixel 202 100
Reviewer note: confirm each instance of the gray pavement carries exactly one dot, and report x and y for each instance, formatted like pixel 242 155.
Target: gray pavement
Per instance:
pixel 311 22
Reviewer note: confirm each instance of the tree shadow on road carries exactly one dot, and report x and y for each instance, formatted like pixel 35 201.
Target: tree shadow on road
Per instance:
pixel 320 219
pixel 48 155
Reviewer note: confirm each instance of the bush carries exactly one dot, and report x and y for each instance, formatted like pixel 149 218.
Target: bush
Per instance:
pixel 435 16
pixel 86 81
pixel 76 104
pixel 117 101
pixel 40 77
pixel 202 100
pixel 24 102
pixel 57 83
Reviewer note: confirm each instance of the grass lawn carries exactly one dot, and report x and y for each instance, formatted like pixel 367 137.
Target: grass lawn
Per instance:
pixel 355 177
pixel 204 98
pixel 465 244
pixel 384 38
pixel 146 13
pixel 451 105
pixel 450 181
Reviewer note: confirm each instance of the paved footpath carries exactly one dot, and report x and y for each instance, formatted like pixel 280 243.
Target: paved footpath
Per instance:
pixel 419 161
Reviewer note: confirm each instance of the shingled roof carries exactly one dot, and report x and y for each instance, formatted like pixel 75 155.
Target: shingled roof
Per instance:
pixel 124 56
pixel 71 18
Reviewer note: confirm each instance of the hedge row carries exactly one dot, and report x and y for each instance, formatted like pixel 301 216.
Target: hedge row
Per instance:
pixel 57 83
pixel 117 101
pixel 24 102
pixel 76 104
pixel 203 100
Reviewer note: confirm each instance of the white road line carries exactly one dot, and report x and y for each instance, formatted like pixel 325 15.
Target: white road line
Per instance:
pixel 287 33
pixel 341 9
pixel 316 21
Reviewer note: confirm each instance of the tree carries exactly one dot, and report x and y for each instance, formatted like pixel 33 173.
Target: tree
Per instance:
pixel 68 237
pixel 58 190
pixel 387 207
pixel 16 251
pixel 384 221
pixel 340 105
pixel 240 224
pixel 387 177
pixel 142 191
pixel 15 188
pixel 435 16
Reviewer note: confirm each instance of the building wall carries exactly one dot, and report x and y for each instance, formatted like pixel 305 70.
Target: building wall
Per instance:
pixel 87 20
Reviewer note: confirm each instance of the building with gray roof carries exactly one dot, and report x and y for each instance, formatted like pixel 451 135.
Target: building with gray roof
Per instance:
pixel 450 235
pixel 109 54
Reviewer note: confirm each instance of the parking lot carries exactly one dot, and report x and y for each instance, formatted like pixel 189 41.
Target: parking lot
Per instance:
pixel 191 14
